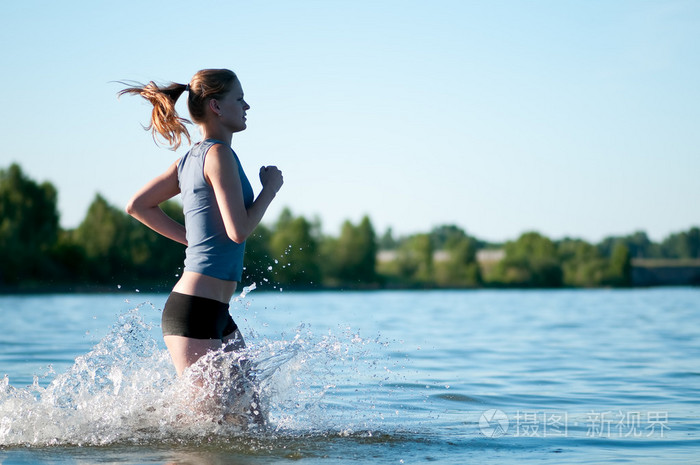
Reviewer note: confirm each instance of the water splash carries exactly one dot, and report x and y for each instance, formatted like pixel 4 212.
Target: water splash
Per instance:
pixel 246 291
pixel 125 390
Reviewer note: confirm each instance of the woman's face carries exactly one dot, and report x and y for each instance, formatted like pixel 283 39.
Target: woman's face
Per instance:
pixel 232 109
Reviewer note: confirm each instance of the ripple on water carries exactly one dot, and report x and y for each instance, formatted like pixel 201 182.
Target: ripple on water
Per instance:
pixel 454 397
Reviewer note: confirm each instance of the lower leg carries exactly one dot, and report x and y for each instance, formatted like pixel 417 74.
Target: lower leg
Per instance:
pixel 234 342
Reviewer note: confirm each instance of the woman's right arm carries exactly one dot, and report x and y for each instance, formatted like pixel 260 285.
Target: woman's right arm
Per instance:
pixel 144 205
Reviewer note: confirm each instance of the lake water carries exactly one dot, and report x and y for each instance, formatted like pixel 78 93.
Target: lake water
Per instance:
pixel 571 376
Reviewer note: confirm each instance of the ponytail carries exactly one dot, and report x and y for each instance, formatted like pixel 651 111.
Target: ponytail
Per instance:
pixel 164 119
pixel 205 85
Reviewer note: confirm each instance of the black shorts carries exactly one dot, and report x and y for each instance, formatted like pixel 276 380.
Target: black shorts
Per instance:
pixel 196 317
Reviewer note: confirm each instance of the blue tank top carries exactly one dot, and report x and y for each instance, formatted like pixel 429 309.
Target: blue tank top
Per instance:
pixel 209 249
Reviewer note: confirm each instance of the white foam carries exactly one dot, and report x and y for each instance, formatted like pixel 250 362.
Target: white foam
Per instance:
pixel 126 390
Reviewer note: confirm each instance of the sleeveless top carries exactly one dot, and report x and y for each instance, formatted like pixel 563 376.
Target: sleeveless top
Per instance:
pixel 209 249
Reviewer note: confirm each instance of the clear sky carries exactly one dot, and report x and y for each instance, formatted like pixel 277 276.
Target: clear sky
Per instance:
pixel 571 118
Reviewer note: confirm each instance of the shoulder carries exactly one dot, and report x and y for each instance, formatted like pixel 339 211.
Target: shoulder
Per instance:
pixel 219 149
pixel 220 155
pixel 220 163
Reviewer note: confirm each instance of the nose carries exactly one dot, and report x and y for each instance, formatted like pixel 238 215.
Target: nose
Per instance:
pixel 245 105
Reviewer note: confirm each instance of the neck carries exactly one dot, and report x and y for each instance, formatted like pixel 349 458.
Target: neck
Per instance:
pixel 217 133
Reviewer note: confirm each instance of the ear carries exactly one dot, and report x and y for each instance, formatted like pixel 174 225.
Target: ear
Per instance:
pixel 214 106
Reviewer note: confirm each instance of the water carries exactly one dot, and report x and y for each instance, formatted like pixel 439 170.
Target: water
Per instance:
pixel 580 376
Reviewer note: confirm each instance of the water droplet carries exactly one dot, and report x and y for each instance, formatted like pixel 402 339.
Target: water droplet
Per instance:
pixel 246 290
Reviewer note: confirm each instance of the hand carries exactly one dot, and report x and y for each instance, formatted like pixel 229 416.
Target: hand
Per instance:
pixel 271 178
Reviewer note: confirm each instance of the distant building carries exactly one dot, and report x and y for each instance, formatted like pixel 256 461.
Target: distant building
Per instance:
pixel 441 256
pixel 482 256
pixel 386 256
pixel 651 272
pixel 490 255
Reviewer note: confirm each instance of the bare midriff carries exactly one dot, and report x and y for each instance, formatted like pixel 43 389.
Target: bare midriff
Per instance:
pixel 200 285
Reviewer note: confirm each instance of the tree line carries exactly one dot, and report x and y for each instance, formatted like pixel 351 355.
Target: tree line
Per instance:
pixel 110 248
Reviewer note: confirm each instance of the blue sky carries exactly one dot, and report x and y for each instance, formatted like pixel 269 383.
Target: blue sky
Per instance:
pixel 571 118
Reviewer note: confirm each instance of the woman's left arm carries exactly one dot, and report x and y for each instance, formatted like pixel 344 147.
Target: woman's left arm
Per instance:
pixel 144 205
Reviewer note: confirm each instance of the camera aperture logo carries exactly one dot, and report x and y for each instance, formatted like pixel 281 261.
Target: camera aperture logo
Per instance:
pixel 493 423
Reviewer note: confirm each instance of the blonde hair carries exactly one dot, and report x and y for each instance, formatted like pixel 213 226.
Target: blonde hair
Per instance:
pixel 205 85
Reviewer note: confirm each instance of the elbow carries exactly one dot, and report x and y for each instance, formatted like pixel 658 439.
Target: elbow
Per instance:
pixel 130 209
pixel 238 236
pixel 133 207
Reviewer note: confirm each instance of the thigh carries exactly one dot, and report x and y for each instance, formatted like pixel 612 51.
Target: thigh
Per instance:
pixel 186 350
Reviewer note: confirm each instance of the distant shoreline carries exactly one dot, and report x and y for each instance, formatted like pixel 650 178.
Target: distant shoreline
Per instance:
pixel 653 282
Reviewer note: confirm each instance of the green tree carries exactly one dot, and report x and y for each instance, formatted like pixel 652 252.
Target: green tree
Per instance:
pixel 461 268
pixel 258 257
pixel 531 261
pixel 68 259
pixel 352 258
pixel 414 260
pixel 582 263
pixel 440 236
pixel 387 241
pixel 104 235
pixel 28 226
pixel 294 249
pixel 682 245
pixel 638 244
pixel 620 270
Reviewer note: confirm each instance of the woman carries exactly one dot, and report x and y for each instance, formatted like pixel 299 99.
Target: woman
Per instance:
pixel 220 212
